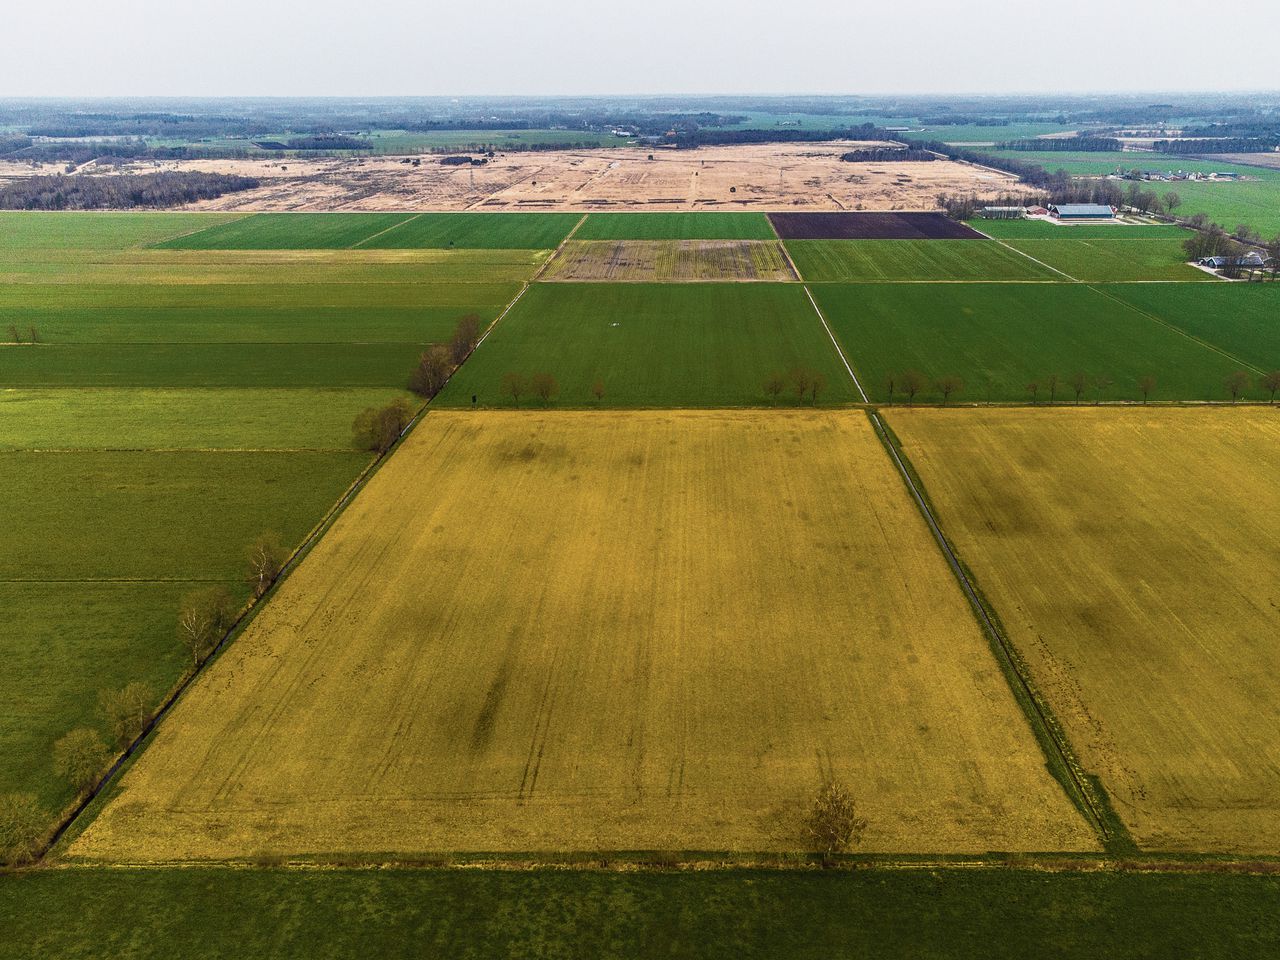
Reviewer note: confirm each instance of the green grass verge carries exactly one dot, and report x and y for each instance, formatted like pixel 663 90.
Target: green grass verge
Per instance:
pixel 888 260
pixel 654 345
pixel 1000 337
pixel 676 226
pixel 952 914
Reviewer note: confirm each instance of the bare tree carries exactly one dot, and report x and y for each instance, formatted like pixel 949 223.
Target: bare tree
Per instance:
pixel 774 384
pixel 465 337
pixel 597 389
pixel 1172 202
pixel 545 386
pixel 912 382
pixel 267 557
pixel 22 825
pixel 203 617
pixel 1101 384
pixel 1033 388
pixel 817 384
pixel 14 335
pixel 1052 382
pixel 1236 384
pixel 1078 383
pixel 378 428
pixel 1270 382
pixel 79 757
pixel 1146 384
pixel 514 386
pixel 833 824
pixel 127 710
pixel 432 372
pixel 947 386
pixel 889 384
pixel 800 378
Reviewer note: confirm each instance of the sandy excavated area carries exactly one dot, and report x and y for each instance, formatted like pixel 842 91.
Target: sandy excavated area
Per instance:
pixel 766 176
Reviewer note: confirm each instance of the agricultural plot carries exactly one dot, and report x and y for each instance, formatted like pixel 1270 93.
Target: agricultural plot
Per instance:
pixel 715 596
pixel 869 226
pixel 1132 555
pixel 289 231
pixel 675 226
pixel 657 345
pixel 1098 260
pixel 1001 338
pixel 666 261
pixel 487 231
pixel 26 236
pixel 911 260
pixel 1241 319
pixel 1049 230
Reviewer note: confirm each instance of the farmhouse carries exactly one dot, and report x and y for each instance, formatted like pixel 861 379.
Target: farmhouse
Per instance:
pixel 1082 211
pixel 1253 260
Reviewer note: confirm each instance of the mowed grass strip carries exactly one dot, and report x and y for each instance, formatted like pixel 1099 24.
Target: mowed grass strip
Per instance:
pixel 873 260
pixel 654 345
pixel 1241 318
pixel 601 631
pixel 1132 555
pixel 676 226
pixel 186 515
pixel 151 419
pixel 1098 260
pixel 665 261
pixel 490 231
pixel 999 338
pixel 288 231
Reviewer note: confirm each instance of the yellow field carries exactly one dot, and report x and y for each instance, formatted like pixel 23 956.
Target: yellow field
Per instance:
pixel 620 261
pixel 1134 556
pixel 589 631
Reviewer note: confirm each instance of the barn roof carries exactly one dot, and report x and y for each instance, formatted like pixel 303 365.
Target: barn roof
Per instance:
pixel 1083 210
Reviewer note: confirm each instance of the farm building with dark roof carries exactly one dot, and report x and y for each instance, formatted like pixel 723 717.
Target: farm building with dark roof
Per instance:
pixel 1082 211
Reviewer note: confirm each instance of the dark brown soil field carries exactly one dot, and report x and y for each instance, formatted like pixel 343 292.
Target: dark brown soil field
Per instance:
pixel 869 226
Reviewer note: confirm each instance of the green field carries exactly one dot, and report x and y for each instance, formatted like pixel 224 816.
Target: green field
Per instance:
pixel 396 142
pixel 1045 230
pixel 911 260
pixel 1000 337
pixel 289 231
pixel 1242 319
pixel 676 226
pixel 476 231
pixel 1081 163
pixel 25 235
pixel 1114 260
pixel 1253 203
pixel 391 231
pixel 983 914
pixel 654 345
pixel 142 418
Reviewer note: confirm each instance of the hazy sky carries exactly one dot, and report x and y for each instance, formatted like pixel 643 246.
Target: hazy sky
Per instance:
pixel 424 47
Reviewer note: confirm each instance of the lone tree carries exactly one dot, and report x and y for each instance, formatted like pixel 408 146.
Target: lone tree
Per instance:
pixel 127 710
pixel 203 617
pixel 22 825
pixel 774 384
pixel 817 384
pixel 833 824
pixel 267 557
pixel 1051 381
pixel 913 382
pixel 597 389
pixel 1236 384
pixel 1033 388
pixel 1172 202
pixel 378 428
pixel 1146 384
pixel 947 386
pixel 800 379
pixel 465 337
pixel 432 372
pixel 890 383
pixel 1102 384
pixel 514 386
pixel 1079 381
pixel 79 757
pixel 1270 382
pixel 545 386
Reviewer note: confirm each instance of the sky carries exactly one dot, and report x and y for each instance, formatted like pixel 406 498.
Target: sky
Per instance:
pixel 428 47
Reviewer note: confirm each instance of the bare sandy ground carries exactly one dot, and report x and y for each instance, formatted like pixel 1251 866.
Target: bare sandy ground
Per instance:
pixel 765 176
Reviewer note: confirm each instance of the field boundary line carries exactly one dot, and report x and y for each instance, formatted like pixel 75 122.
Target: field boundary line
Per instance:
pixel 160 244
pixel 374 236
pixel 1023 253
pixel 835 343
pixel 537 274
pixel 1178 330
pixel 1089 797
pixel 790 262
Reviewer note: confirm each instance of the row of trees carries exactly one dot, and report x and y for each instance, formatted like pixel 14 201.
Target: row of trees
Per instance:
pixel 438 361
pixel 16 335
pixel 118 192
pixel 544 386
pixel 805 382
pixel 911 382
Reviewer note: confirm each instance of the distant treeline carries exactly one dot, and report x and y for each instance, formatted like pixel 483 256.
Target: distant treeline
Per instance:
pixel 963 120
pixel 1064 144
pixel 887 155
pixel 705 138
pixel 1219 145
pixel 322 143
pixel 118 192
